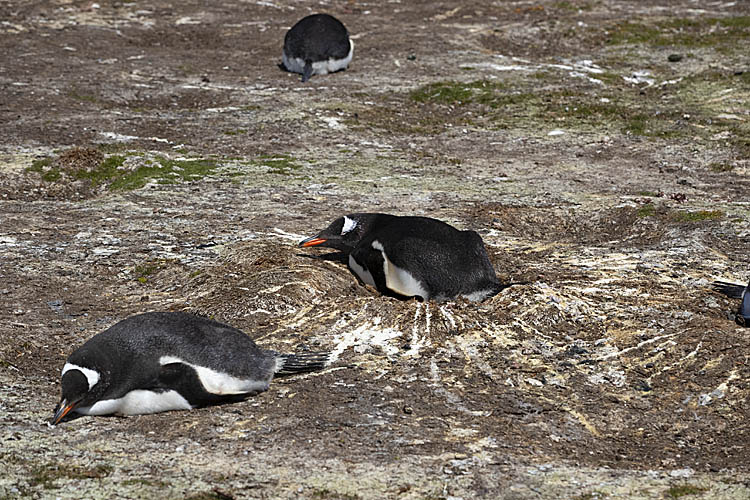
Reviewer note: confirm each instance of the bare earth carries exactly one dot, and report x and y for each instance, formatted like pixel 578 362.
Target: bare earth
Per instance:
pixel 599 147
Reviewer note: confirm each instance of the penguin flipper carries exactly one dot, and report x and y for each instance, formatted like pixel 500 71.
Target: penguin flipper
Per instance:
pixel 184 379
pixel 731 290
pixel 367 264
pixel 307 71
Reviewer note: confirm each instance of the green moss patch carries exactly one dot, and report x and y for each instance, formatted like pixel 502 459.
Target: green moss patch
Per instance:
pixel 115 172
pixel 698 216
pixel 682 490
pixel 495 105
pixel 136 481
pixel 457 93
pixel 571 6
pixel 720 167
pixel 433 108
pixel 325 493
pixel 77 164
pixel 579 110
pixel 681 216
pixel 164 171
pixel 143 271
pixel 647 210
pixel 210 495
pixel 278 164
pixel 45 476
pixel 238 131
pixel 684 32
pixel 82 96
pixel 711 99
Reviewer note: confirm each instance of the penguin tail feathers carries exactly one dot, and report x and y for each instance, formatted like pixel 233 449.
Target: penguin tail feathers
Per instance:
pixel 307 71
pixel 290 364
pixel 731 290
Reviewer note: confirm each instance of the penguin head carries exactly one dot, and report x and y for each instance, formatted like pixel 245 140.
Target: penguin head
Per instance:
pixel 743 314
pixel 81 387
pixel 343 234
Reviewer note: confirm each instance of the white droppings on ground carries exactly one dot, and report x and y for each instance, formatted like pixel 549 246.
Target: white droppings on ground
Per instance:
pixel 363 337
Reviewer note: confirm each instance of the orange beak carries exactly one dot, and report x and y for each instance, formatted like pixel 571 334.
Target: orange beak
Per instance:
pixel 311 242
pixel 62 409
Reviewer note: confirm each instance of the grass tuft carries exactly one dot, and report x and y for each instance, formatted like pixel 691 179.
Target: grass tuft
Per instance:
pixel 682 490
pixel 700 215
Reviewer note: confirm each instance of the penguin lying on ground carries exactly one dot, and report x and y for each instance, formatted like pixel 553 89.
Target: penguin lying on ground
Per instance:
pixel 412 256
pixel 317 45
pixel 736 291
pixel 162 361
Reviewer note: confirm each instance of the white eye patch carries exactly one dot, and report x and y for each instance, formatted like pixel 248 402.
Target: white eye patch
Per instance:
pixel 92 376
pixel 349 224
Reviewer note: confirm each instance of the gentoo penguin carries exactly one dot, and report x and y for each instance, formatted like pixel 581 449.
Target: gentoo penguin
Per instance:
pixel 317 45
pixel 412 256
pixel 162 361
pixel 736 291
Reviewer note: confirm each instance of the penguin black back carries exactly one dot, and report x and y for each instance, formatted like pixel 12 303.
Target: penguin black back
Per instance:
pixel 318 44
pixel 145 338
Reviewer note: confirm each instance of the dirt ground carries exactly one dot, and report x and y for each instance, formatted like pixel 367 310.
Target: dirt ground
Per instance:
pixel 154 157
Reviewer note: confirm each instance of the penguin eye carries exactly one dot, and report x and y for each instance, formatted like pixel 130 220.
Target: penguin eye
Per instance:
pixel 349 225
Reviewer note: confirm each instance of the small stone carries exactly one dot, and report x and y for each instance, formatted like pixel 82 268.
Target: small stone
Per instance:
pixel 643 386
pixel 408 410
pixel 575 350
pixel 55 305
pixel 534 382
pixel 674 57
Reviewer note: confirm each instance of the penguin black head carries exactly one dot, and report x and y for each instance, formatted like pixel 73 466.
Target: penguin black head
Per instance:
pixel 81 387
pixel 743 313
pixel 735 291
pixel 344 233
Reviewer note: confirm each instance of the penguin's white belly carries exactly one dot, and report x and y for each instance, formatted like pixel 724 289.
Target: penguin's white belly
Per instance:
pixel 331 65
pixel 400 280
pixel 138 402
pixel 220 383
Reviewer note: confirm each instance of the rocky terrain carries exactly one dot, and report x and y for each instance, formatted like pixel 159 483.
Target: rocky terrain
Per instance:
pixel 153 156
